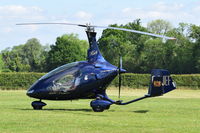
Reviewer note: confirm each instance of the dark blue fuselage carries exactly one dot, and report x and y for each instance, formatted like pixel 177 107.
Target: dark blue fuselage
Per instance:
pixel 80 80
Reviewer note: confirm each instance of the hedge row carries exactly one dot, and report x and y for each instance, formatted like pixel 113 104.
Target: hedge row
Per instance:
pixel 131 80
pixel 25 80
pixel 15 81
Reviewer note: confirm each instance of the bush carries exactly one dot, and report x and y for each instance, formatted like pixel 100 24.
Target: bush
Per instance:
pixel 18 80
pixel 25 80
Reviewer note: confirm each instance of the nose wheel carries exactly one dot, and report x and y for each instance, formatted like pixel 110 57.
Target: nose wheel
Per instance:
pixel 37 105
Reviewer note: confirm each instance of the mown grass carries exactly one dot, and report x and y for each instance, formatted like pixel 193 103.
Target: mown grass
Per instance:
pixel 176 112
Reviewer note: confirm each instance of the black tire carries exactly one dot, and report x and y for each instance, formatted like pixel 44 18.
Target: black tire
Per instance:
pixel 98 109
pixel 37 107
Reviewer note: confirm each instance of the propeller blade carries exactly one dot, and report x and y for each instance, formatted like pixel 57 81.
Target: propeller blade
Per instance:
pixel 119 84
pixel 119 69
pixel 103 27
pixel 120 62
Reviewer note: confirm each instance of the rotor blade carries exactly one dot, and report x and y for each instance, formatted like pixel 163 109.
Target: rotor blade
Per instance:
pixel 104 27
pixel 135 31
pixel 52 24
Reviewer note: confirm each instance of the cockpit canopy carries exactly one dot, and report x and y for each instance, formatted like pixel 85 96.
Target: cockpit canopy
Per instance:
pixel 67 79
pixel 59 69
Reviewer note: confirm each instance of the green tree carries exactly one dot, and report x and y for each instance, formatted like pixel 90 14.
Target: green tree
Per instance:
pixel 182 60
pixel 34 54
pixel 195 35
pixel 127 44
pixel 14 60
pixel 68 48
pixel 159 26
pixel 1 63
pixel 30 56
pixel 153 55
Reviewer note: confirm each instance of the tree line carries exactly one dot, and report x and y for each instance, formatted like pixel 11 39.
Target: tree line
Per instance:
pixel 140 53
pixel 34 57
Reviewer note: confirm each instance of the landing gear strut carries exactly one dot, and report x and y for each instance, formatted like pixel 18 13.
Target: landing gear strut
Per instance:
pixel 37 105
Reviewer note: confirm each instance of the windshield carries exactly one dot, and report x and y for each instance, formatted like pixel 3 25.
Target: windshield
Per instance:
pixel 66 82
pixel 59 69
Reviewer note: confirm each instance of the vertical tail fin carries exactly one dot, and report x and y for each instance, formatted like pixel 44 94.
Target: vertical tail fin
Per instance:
pixel 161 83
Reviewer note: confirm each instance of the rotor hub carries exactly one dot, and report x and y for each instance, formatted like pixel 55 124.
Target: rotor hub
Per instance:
pixel 89 28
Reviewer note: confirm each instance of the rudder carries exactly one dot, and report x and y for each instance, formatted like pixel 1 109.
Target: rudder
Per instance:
pixel 160 83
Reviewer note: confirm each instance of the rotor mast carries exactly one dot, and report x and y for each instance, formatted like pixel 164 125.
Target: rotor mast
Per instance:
pixel 91 34
pixel 93 54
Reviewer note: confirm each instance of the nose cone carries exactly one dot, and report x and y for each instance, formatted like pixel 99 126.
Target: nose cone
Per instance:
pixel 32 91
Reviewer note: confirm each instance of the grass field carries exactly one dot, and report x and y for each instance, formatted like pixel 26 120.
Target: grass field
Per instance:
pixel 176 112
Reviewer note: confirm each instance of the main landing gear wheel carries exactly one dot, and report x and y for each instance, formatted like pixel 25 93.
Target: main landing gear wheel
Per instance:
pixel 37 105
pixel 100 105
pixel 98 109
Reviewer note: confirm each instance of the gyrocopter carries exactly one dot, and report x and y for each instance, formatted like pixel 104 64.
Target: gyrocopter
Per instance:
pixel 89 79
